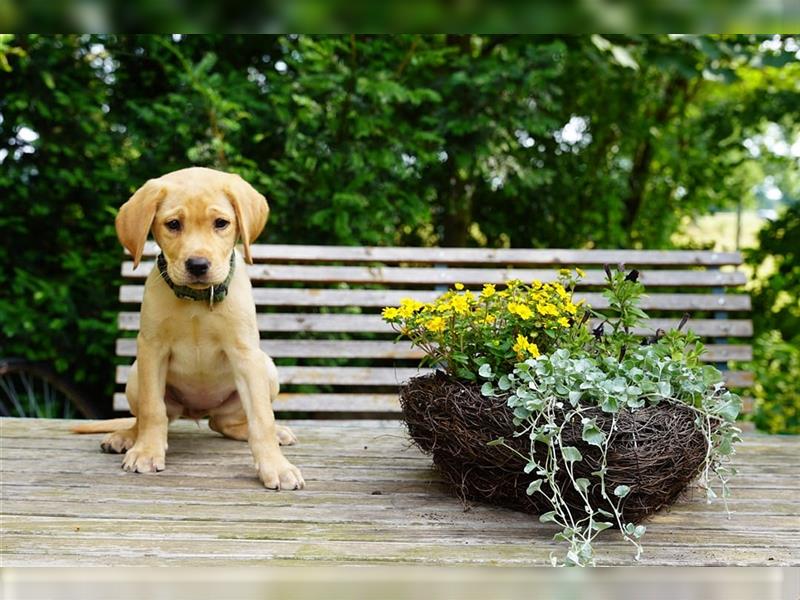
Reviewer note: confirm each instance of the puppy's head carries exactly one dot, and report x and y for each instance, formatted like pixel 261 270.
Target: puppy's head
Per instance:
pixel 196 216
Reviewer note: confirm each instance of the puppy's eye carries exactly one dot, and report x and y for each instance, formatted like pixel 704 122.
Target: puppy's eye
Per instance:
pixel 173 225
pixel 221 223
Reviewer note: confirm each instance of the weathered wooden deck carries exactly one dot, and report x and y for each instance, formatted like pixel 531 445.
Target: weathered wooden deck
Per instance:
pixel 370 499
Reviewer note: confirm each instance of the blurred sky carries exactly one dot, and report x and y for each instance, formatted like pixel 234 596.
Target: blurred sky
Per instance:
pixel 271 16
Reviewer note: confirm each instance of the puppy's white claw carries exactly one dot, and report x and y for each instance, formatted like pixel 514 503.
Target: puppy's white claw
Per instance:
pixel 140 460
pixel 283 477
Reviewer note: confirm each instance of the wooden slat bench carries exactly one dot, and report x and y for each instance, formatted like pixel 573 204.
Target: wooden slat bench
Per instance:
pixel 319 310
pixel 371 497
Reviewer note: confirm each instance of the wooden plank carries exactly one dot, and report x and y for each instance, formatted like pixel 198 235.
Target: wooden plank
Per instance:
pixel 386 376
pixel 330 375
pixel 400 350
pixel 471 276
pixel 739 379
pixel 388 404
pixel 302 552
pixel 132 294
pixel 501 256
pixel 19 526
pixel 312 499
pixel 357 323
pixel 292 402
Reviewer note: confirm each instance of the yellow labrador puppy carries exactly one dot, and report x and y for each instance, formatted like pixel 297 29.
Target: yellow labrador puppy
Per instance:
pixel 198 348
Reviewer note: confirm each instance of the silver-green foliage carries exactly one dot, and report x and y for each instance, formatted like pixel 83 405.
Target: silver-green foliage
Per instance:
pixel 548 392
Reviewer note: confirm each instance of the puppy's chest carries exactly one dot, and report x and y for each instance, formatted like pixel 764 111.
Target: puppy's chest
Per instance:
pixel 196 346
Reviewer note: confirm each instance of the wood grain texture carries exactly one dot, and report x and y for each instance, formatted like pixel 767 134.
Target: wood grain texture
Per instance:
pixel 357 323
pixel 379 274
pixel 400 350
pixel 388 376
pixel 502 256
pixel 276 296
pixel 371 498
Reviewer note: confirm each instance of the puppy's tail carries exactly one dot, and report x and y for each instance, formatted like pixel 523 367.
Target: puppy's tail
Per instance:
pixel 106 426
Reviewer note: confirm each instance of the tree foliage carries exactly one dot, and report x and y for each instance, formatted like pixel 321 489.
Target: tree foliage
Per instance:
pixel 537 141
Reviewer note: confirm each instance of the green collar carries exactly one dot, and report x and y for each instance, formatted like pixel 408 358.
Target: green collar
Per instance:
pixel 211 294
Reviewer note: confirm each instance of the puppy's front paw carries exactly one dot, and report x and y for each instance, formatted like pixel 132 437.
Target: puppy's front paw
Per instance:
pixel 141 459
pixel 280 474
pixel 286 436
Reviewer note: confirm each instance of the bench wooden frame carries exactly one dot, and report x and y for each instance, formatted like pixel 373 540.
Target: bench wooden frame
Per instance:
pixel 307 296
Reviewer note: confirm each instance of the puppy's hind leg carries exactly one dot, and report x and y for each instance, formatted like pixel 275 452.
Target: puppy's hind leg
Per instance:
pixel 231 421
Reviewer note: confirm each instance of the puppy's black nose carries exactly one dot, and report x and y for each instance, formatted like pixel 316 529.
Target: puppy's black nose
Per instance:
pixel 197 266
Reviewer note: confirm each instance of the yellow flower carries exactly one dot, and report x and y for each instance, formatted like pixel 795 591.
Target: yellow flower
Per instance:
pixel 580 272
pixel 443 307
pixel 563 321
pixel 520 310
pixel 571 308
pixel 489 320
pixel 561 291
pixel 459 286
pixel 524 346
pixel 435 324
pixel 545 308
pixel 390 313
pixel 488 291
pixel 408 306
pixel 460 304
pixel 564 272
pixel 536 284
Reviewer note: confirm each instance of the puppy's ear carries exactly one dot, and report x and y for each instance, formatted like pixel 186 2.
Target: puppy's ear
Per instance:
pixel 251 210
pixel 135 217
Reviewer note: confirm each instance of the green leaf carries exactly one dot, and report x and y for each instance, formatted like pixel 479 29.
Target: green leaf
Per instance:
pixel 535 486
pixel 592 434
pixel 601 525
pixel 485 371
pixel 504 383
pixel 465 374
pixel 548 517
pixel 48 80
pixel 571 454
pixel 622 490
pixel 624 58
pixel 498 442
pixel 582 484
pixel 730 410
pixel 487 389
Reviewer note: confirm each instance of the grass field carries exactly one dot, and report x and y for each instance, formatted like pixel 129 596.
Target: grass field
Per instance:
pixel 719 230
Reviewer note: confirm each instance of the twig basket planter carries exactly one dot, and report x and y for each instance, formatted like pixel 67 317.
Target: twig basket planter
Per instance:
pixel 655 450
